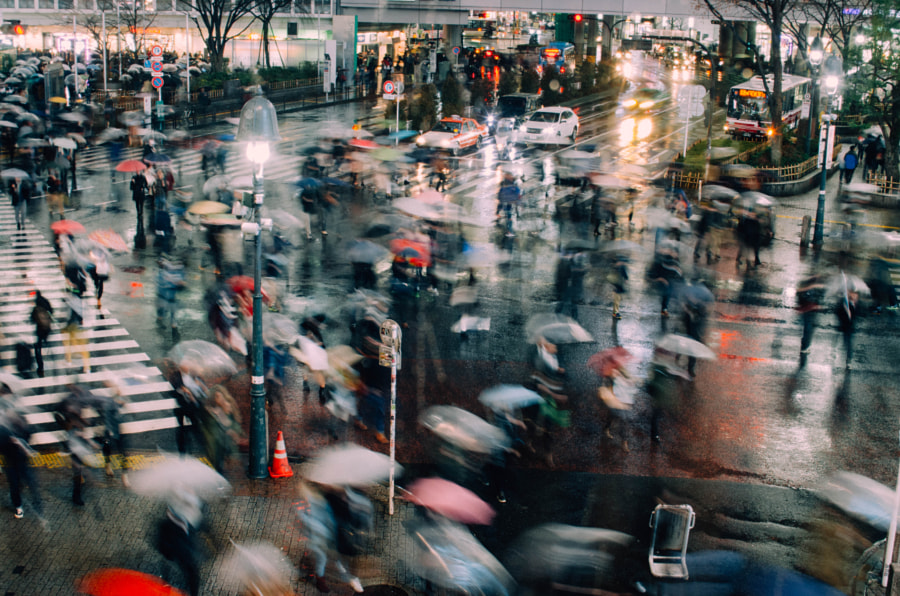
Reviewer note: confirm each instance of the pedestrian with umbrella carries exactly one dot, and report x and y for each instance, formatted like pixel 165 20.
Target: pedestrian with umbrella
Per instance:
pixel 73 337
pixel 810 295
pixel 78 443
pixel 169 281
pixel 56 198
pixel 665 274
pixel 609 365
pixel 18 204
pixel 618 277
pixel 14 448
pixel 847 289
pixel 139 196
pixel 663 386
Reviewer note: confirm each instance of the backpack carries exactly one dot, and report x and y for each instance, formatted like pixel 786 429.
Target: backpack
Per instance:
pixel 42 318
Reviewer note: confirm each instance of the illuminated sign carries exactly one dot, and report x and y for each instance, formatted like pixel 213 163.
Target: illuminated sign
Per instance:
pixel 551 52
pixel 751 93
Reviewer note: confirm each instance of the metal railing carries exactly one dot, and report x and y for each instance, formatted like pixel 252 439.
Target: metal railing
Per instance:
pixel 792 172
pixel 685 180
pixel 886 184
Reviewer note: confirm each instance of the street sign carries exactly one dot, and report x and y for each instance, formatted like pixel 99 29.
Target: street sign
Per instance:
pixel 456 50
pixel 398 87
pixel 388 86
pixel 157 82
pixel 156 50
pixel 156 68
pixel 390 96
pixel 688 91
pixel 804 108
pixel 146 64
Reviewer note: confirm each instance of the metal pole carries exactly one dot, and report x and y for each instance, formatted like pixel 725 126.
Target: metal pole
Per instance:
pixel 119 39
pixel 398 114
pixel 687 119
pixel 259 437
pixel 187 44
pixel 892 533
pixel 820 209
pixel 393 429
pixel 75 54
pixel 103 38
pixel 713 73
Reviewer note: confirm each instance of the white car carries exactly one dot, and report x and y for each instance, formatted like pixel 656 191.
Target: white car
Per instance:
pixel 549 126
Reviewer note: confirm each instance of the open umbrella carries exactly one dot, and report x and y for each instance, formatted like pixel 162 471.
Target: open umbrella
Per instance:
pixel 131 165
pixel 310 353
pixel 208 208
pixel 509 397
pixel 279 329
pixel 215 183
pixel 64 143
pixel 342 357
pixel 349 465
pixel 605 362
pixel 176 474
pixel 67 226
pixel 450 500
pixel 14 173
pixel 365 251
pixel 220 219
pixel 77 137
pixel 861 497
pixel 681 344
pixel 555 328
pixel 109 134
pixel 417 253
pixel 463 429
pixel 74 116
pixel 202 359
pixel 8 124
pixel 113 581
pixel 260 567
pixel 717 192
pixel 158 158
pixel 363 144
pixel 109 239
pixel 58 100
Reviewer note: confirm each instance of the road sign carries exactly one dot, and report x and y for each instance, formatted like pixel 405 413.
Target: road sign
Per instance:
pixel 456 50
pixel 156 67
pixel 390 96
pixel 157 82
pixel 686 92
pixel 388 86
pixel 804 108
pixel 156 50
pixel 146 64
pixel 398 87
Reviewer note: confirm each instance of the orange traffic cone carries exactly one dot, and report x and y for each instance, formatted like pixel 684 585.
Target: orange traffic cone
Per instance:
pixel 280 467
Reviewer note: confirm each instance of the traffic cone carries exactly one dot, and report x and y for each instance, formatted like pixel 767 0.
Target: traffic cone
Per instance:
pixel 280 467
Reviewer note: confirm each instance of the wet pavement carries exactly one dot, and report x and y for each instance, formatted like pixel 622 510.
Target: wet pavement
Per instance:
pixel 749 440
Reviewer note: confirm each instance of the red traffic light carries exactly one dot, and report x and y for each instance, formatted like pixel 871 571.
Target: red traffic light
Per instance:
pixel 578 18
pixel 19 29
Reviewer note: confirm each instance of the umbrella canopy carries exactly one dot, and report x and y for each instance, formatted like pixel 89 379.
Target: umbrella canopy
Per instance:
pixel 58 100
pixel 8 124
pixel 174 475
pixel 717 192
pixel 202 359
pixel 77 137
pixel 215 183
pixel 241 283
pixel 111 133
pixel 860 497
pixel 363 144
pixel 15 173
pixel 124 582
pixel 366 251
pixel 840 285
pixel 220 219
pixel 158 158
pixel 260 567
pixel 208 208
pixel 310 353
pixel 74 116
pixel 279 329
pixel 131 165
pixel 67 226
pixel 606 362
pixel 463 429
pixel 681 344
pixel 555 328
pixel 342 357
pixel 509 397
pixel 753 199
pixel 450 500
pixel 64 143
pixel 349 465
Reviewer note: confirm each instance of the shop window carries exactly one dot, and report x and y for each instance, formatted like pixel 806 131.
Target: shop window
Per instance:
pixel 7 3
pixel 322 7
pixel 48 4
pixel 292 29
pixel 66 4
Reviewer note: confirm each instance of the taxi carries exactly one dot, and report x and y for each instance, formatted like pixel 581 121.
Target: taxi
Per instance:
pixel 454 133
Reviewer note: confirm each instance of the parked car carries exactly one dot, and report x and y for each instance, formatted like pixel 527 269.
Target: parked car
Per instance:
pixel 454 134
pixel 645 101
pixel 554 125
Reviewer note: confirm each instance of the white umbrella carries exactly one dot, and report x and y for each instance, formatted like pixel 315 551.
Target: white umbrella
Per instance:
pixel 463 429
pixel 260 567
pixel 310 353
pixel 64 143
pixel 349 465
pixel 215 183
pixel 174 474
pixel 509 397
pixel 8 124
pixel 555 328
pixel 686 346
pixel 73 116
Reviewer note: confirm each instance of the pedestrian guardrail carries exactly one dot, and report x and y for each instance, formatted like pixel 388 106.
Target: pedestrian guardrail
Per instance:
pixel 886 184
pixel 792 172
pixel 685 180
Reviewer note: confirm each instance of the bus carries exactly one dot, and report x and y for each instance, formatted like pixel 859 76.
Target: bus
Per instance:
pixel 747 111
pixel 559 54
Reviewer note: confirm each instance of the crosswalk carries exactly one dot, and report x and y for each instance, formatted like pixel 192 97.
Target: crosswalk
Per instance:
pixel 28 263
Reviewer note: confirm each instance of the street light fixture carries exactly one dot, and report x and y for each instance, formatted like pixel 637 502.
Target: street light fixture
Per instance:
pixel 816 52
pixel 258 127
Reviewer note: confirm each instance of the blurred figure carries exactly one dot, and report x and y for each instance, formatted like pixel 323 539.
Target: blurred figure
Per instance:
pixel 810 293
pixel 325 514
pixel 190 395
pixel 221 426
pixel 549 380
pixel 56 197
pixel 845 309
pixel 663 387
pixel 139 196
pixel 618 277
pixel 850 162
pixel 18 204
pixel 570 272
pixel 99 272
pixel 665 273
pixel 749 236
pixel 14 448
pixel 113 438
pixel 78 444
pixel 73 331
pixel 178 536
pixel 42 317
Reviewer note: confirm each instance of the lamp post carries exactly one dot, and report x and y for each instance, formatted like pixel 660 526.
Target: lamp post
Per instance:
pixel 815 56
pixel 830 82
pixel 258 127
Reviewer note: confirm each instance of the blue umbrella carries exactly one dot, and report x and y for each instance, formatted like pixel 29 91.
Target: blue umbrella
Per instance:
pixel 309 183
pixel 158 158
pixel 336 182
pixel 226 137
pixel 402 135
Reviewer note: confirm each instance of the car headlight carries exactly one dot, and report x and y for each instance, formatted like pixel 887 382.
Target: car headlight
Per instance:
pixel 630 103
pixel 490 119
pixel 646 105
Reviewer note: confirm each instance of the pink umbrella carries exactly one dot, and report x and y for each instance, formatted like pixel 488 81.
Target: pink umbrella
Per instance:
pixel 451 500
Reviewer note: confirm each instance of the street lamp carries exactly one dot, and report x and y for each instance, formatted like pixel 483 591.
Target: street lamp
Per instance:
pixel 830 82
pixel 258 127
pixel 815 55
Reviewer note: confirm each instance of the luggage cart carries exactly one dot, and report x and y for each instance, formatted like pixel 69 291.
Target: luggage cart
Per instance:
pixel 672 526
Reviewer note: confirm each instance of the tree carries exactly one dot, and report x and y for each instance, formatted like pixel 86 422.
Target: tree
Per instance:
pixel 509 82
pixel 218 23
pixel 452 100
pixel 883 102
pixel 773 14
pixel 530 81
pixel 135 20
pixel 423 109
pixel 835 23
pixel 264 12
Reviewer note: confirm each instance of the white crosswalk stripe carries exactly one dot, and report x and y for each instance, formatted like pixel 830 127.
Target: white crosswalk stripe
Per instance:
pixel 29 263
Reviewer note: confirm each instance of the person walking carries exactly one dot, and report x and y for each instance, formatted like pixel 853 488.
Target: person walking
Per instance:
pixel 617 277
pixel 73 331
pixel 169 281
pixel 42 317
pixel 99 271
pixel 809 299
pixel 177 536
pixel 845 309
pixel 16 200
pixel 850 162
pixel 56 198
pixel 14 435
pixel 139 196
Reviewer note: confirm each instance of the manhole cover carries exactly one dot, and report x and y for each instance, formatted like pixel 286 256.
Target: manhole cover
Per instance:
pixel 383 590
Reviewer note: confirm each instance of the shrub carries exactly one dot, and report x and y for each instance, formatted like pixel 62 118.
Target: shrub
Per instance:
pixel 424 109
pixel 530 82
pixel 452 97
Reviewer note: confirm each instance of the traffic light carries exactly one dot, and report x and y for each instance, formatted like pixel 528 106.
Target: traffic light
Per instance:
pixel 12 28
pixel 577 18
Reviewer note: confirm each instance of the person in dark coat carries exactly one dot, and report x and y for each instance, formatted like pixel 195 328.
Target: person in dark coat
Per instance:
pixel 850 162
pixel 14 449
pixel 139 196
pixel 749 234
pixel 16 200
pixel 809 298
pixel 42 317
pixel 178 537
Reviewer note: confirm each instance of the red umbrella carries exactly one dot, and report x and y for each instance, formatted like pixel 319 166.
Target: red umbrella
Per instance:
pixel 363 144
pixel 606 362
pixel 124 582
pixel 417 253
pixel 67 226
pixel 131 165
pixel 109 239
pixel 240 283
pixel 451 500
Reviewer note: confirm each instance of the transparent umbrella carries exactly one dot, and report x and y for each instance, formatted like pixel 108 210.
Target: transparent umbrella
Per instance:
pixel 203 359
